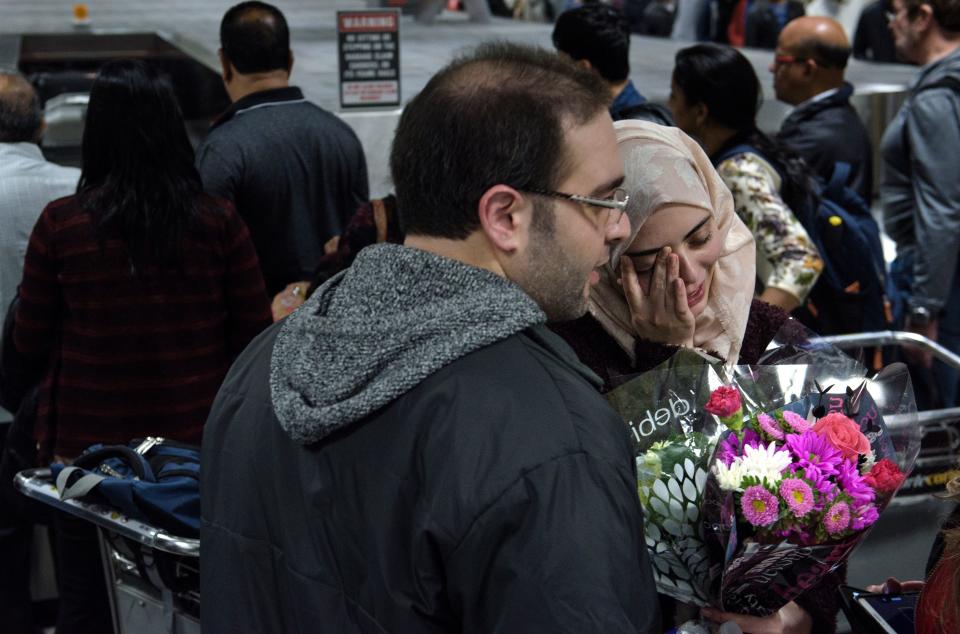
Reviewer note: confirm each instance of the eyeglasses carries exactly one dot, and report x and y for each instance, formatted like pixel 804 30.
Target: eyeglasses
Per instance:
pixel 616 203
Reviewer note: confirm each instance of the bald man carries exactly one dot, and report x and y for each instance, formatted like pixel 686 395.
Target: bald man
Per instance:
pixel 808 68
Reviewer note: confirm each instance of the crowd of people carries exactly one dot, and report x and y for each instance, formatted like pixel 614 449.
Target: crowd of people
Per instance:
pixel 420 440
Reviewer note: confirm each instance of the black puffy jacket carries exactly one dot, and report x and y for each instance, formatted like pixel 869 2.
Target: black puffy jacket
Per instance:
pixel 498 493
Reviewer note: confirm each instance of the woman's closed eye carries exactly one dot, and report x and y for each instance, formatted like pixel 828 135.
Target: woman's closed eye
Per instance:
pixel 701 238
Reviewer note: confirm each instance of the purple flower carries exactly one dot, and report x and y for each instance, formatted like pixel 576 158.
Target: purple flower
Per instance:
pixel 796 535
pixel 864 516
pixel 769 425
pixel 730 447
pixel 798 495
pixel 814 452
pixel 760 507
pixel 823 485
pixel 797 423
pixel 853 483
pixel 837 518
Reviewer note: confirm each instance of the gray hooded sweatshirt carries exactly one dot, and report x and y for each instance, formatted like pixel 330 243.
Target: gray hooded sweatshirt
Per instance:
pixel 378 329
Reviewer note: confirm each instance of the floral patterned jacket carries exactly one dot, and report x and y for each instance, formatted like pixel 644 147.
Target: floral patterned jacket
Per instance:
pixel 786 257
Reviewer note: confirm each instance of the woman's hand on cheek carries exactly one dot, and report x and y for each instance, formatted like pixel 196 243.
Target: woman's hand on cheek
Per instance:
pixel 662 314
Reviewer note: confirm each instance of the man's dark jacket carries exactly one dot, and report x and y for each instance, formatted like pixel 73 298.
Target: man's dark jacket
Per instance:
pixel 295 172
pixel 413 451
pixel 829 130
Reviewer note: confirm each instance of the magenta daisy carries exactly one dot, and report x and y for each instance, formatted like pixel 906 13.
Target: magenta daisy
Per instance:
pixel 864 516
pixel 798 495
pixel 814 452
pixel 837 518
pixel 822 484
pixel 770 427
pixel 731 448
pixel 760 507
pixel 797 423
pixel 853 483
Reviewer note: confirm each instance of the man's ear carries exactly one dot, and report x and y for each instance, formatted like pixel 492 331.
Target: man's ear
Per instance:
pixel 924 17
pixel 700 114
pixel 585 64
pixel 289 62
pixel 226 69
pixel 505 216
pixel 40 131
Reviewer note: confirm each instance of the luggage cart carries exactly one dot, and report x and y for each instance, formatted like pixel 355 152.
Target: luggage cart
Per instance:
pixel 940 445
pixel 153 576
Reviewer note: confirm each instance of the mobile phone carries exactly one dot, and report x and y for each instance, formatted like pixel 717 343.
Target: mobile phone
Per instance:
pixel 891 613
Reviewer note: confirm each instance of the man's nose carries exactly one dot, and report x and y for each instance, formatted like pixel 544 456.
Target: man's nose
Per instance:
pixel 617 231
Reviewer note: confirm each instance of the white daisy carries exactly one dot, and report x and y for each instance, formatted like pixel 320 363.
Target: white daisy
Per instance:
pixel 729 478
pixel 765 463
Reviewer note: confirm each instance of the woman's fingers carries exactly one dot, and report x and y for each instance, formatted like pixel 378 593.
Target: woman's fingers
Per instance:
pixel 681 308
pixel 631 285
pixel 658 285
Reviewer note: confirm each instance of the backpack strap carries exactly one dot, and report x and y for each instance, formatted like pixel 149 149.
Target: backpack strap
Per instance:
pixel 734 150
pixel 80 487
pixel 949 81
pixel 90 460
pixel 838 180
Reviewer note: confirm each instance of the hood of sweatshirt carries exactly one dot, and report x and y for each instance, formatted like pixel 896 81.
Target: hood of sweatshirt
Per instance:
pixel 376 330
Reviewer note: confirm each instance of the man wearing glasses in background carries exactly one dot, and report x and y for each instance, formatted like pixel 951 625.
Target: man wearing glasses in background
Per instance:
pixel 808 70
pixel 920 191
pixel 413 450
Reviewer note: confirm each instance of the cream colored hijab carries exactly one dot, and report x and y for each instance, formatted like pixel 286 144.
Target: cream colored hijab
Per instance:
pixel 663 166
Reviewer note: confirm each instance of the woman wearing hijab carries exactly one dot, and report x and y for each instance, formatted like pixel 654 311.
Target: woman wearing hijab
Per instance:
pixel 684 278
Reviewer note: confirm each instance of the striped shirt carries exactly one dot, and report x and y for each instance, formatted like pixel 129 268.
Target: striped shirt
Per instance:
pixel 134 355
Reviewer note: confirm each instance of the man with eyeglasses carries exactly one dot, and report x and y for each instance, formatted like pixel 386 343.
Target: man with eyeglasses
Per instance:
pixel 920 191
pixel 808 73
pixel 413 450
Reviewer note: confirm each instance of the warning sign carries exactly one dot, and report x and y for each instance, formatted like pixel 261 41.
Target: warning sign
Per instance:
pixel 369 51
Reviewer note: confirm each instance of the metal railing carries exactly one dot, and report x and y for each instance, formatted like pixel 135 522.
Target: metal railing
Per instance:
pixel 891 338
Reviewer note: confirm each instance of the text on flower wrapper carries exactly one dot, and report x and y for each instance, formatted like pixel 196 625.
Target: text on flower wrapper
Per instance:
pixel 651 421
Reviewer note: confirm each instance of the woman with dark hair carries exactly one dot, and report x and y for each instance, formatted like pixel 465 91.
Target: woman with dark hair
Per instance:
pixel 714 97
pixel 138 292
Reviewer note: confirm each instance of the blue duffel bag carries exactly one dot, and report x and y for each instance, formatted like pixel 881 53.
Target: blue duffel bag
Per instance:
pixel 156 481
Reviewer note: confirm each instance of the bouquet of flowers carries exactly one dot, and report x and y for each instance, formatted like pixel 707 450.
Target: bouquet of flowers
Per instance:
pixel 794 488
pixel 756 481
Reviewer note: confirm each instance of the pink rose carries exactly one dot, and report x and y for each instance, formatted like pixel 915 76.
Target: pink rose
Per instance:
pixel 724 401
pixel 844 434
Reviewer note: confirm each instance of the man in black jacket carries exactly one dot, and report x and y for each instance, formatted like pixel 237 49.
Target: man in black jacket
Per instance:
pixel 808 69
pixel 413 450
pixel 295 172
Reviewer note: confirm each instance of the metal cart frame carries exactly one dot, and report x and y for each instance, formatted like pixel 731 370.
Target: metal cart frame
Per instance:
pixel 136 560
pixel 939 422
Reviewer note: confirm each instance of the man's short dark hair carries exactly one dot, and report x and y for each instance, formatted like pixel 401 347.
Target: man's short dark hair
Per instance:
pixel 495 116
pixel 21 117
pixel 826 55
pixel 945 12
pixel 255 38
pixel 599 34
